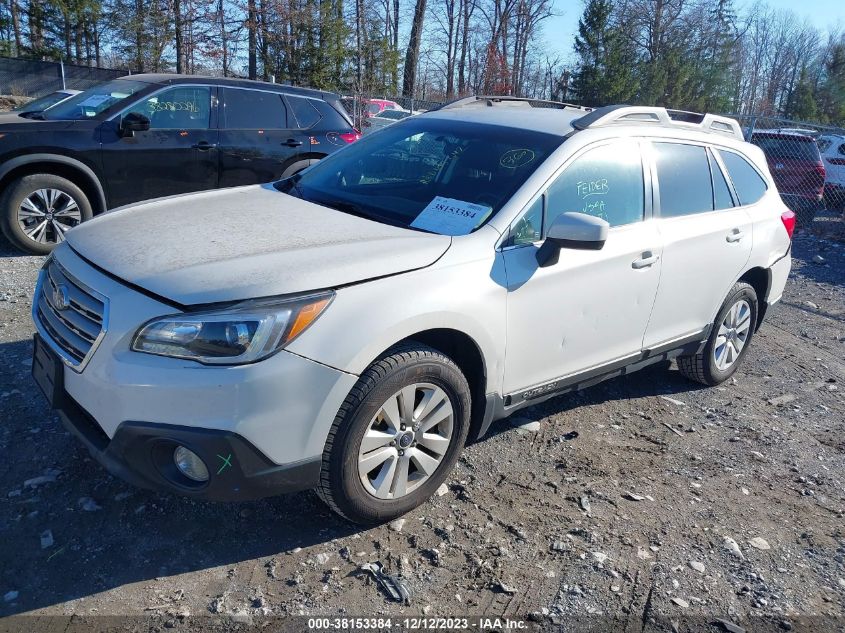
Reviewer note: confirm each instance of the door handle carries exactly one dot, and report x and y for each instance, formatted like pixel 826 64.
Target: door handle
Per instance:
pixel 292 142
pixel 203 146
pixel 648 259
pixel 735 236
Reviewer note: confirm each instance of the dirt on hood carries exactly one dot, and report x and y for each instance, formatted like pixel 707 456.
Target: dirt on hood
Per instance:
pixel 247 242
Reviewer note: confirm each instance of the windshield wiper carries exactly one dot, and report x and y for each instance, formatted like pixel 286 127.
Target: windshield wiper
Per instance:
pixel 345 207
pixel 356 210
pixel 39 116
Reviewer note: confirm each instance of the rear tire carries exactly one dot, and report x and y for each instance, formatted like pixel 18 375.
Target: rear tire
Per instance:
pixel 36 211
pixel 354 490
pixel 732 329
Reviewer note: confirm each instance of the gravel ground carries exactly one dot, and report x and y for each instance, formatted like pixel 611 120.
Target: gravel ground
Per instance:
pixel 645 503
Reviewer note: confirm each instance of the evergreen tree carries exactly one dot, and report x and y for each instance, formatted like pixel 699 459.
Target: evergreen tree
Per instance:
pixel 714 94
pixel 832 94
pixel 802 104
pixel 605 69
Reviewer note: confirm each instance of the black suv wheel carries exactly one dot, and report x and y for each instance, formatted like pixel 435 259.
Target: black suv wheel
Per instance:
pixel 37 210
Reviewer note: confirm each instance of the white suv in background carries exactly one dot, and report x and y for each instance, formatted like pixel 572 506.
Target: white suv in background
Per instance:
pixel 349 328
pixel 832 148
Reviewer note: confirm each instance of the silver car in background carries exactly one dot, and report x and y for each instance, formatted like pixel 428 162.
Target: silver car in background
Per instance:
pixel 382 120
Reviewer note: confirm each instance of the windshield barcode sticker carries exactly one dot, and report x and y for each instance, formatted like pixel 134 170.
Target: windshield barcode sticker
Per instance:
pixel 448 216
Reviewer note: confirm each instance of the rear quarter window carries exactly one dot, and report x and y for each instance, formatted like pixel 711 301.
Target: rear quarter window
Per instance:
pixel 332 119
pixel 749 185
pixel 304 112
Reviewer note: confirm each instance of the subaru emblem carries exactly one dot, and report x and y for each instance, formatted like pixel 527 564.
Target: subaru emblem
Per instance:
pixel 61 298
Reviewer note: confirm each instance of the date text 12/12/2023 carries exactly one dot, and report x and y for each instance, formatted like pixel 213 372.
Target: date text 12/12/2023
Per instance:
pixel 414 624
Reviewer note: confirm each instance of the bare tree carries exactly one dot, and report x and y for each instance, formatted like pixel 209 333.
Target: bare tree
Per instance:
pixel 412 53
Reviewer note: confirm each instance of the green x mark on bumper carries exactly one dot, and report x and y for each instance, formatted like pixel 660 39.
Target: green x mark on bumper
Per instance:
pixel 227 462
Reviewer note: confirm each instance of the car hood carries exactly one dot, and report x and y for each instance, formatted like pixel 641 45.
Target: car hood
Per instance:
pixel 244 243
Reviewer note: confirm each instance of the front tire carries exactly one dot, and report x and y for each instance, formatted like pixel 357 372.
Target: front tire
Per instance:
pixel 37 210
pixel 729 339
pixel 397 435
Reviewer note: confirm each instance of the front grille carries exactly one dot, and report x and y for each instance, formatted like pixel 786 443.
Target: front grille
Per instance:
pixel 73 328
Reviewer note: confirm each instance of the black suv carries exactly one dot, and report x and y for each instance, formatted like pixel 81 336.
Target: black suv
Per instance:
pixel 146 136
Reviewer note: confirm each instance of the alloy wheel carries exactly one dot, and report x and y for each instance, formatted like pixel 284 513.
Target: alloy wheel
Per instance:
pixel 405 441
pixel 733 334
pixel 46 215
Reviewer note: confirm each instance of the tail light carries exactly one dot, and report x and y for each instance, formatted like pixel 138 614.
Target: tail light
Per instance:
pixel 788 219
pixel 350 137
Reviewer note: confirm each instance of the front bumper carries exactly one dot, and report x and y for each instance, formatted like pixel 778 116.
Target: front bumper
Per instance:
pixel 130 408
pixel 141 453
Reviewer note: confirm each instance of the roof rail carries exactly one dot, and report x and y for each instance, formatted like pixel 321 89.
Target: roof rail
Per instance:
pixel 493 100
pixel 646 115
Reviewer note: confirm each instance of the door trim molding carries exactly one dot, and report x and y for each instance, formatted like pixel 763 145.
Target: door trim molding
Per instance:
pixel 688 344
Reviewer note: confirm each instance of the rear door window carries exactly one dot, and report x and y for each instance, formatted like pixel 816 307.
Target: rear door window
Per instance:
pixel 749 185
pixel 683 175
pixel 254 110
pixel 606 181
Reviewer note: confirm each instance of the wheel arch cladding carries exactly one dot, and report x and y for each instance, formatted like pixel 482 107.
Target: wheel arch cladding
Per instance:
pixel 75 171
pixel 467 355
pixel 759 279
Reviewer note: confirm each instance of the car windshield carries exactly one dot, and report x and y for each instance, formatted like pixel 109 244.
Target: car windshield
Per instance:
pixel 779 147
pixel 37 105
pixel 446 177
pixel 91 102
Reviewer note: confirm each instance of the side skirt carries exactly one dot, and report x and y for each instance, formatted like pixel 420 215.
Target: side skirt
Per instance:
pixel 685 346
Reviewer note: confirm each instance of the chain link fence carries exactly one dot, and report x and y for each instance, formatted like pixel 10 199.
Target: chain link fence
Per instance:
pixel 33 78
pixel 807 161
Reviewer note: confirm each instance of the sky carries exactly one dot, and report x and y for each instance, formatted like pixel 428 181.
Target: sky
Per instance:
pixel 559 31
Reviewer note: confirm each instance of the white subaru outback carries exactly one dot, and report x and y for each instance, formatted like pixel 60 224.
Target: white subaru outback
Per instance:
pixel 350 328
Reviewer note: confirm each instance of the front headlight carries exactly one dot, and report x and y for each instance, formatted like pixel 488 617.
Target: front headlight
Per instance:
pixel 241 333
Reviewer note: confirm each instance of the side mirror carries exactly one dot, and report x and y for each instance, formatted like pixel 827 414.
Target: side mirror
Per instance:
pixel 572 230
pixel 134 122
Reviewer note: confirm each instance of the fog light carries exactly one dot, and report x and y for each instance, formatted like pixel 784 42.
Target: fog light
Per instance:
pixel 190 464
